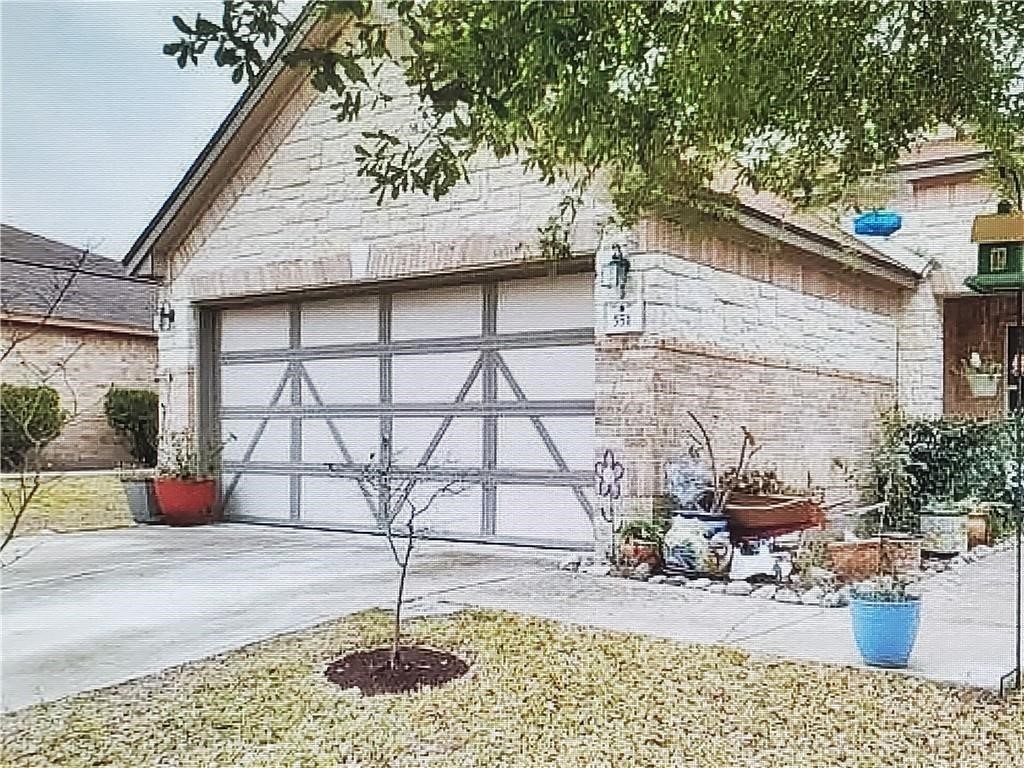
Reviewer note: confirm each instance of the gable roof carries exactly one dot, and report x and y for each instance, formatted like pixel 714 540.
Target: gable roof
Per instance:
pixel 762 213
pixel 39 274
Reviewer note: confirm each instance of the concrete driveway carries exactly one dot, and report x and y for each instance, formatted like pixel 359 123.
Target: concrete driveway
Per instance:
pixel 86 610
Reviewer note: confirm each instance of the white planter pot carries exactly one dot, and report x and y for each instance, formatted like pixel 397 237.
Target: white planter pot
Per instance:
pixel 944 534
pixel 983 384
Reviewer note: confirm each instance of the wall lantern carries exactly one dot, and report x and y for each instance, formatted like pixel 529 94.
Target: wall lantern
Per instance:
pixel 880 223
pixel 163 318
pixel 616 271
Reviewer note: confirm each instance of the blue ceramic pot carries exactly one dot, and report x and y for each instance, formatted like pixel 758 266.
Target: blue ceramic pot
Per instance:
pixel 885 632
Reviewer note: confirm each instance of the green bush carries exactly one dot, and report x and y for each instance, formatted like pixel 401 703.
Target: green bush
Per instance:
pixel 135 413
pixel 30 418
pixel 924 460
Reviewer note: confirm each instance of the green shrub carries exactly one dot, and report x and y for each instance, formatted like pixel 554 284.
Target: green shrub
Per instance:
pixel 924 460
pixel 135 413
pixel 30 418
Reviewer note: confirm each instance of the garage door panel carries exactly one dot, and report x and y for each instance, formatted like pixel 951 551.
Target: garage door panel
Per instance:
pixel 546 303
pixel 355 381
pixel 252 385
pixel 554 373
pixel 361 437
pixel 437 313
pixel 435 378
pixel 268 440
pixel 263 496
pixel 458 447
pixel 253 328
pixel 459 514
pixel 521 445
pixel 541 512
pixel 341 321
pixel 336 500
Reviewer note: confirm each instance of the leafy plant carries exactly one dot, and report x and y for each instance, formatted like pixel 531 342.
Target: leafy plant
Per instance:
pixel 922 461
pixel 976 364
pixel 885 589
pixel 30 419
pixel 186 458
pixel 135 414
pixel 652 531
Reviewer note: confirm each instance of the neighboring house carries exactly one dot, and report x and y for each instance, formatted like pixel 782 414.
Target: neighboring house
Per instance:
pixel 317 328
pixel 79 323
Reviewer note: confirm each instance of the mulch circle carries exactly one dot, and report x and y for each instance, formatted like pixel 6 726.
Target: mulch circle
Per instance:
pixel 418 667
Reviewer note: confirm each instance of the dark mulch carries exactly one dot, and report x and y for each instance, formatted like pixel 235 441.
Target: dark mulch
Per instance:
pixel 371 672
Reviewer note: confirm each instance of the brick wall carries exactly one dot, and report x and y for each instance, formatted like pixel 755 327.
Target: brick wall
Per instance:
pixel 802 354
pixel 975 324
pixel 94 361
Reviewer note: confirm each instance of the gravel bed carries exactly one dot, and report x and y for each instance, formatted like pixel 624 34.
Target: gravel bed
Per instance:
pixel 538 693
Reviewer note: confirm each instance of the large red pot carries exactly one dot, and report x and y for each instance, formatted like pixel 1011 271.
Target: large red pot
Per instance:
pixel 186 502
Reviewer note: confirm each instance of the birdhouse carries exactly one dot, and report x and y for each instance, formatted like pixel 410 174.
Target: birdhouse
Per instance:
pixel 1000 239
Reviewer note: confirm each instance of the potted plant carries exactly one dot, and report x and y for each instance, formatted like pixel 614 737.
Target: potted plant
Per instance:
pixel 886 617
pixel 943 527
pixel 138 489
pixel 186 487
pixel 982 375
pixel 641 542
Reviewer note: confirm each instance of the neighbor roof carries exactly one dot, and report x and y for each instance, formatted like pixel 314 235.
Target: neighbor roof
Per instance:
pixel 36 270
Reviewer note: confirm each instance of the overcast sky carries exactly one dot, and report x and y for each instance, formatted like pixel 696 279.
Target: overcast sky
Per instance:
pixel 98 125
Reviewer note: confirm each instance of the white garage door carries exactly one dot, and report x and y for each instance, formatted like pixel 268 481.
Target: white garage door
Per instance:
pixel 489 383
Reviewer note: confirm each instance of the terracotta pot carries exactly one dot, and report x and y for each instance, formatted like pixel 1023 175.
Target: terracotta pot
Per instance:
pixel 637 552
pixel 186 502
pixel 977 529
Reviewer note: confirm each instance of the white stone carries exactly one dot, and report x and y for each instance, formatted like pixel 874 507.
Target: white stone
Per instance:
pixel 767 592
pixel 717 589
pixel 741 588
pixel 597 570
pixel 786 595
pixel 700 583
pixel 833 600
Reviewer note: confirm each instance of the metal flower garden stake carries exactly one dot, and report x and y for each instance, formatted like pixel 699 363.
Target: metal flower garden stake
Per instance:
pixel 608 474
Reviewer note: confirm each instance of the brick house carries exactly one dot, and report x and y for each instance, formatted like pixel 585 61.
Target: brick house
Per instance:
pixel 317 327
pixel 78 323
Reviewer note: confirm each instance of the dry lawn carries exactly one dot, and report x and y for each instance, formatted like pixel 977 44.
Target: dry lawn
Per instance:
pixel 538 694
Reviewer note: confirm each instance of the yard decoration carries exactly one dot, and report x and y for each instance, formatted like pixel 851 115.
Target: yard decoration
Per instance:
pixel 1000 239
pixel 397 668
pixel 886 617
pixel 186 487
pixel 983 376
pixel 641 542
pixel 138 490
pixel 878 223
pixel 943 527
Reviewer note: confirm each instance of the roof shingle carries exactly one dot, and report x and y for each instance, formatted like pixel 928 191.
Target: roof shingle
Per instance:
pixel 36 269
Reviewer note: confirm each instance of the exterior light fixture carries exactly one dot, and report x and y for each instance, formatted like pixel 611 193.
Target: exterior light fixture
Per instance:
pixel 615 271
pixel 163 318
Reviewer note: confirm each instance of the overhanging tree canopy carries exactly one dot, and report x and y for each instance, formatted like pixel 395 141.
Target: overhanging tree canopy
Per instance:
pixel 798 98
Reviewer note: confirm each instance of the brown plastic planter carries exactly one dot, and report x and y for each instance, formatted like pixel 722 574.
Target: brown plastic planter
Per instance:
pixel 186 502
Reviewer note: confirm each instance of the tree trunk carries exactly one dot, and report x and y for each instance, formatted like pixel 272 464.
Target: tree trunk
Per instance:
pixel 398 615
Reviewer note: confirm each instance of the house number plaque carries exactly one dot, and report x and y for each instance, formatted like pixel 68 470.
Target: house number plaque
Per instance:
pixel 623 317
